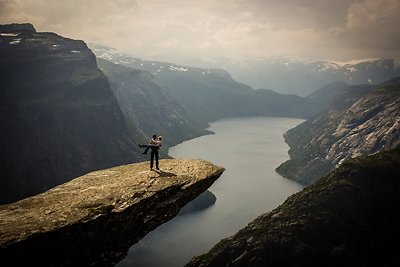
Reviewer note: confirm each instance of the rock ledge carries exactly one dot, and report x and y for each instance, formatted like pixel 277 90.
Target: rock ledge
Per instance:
pixel 95 218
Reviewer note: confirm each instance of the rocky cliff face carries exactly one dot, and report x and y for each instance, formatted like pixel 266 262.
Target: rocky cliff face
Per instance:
pixel 348 218
pixel 362 121
pixel 59 117
pixel 148 106
pixel 326 94
pixel 95 218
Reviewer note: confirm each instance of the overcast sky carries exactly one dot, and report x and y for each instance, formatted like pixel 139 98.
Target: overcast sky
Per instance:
pixel 171 29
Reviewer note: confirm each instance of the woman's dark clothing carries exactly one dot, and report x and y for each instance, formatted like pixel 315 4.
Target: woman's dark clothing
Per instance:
pixel 147 148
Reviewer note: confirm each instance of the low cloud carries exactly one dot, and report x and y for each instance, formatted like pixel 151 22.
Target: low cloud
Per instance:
pixel 339 30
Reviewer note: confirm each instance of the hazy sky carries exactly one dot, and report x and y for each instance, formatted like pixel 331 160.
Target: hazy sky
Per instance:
pixel 172 29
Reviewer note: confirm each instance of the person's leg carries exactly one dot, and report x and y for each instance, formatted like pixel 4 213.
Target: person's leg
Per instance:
pixel 147 149
pixel 151 159
pixel 156 154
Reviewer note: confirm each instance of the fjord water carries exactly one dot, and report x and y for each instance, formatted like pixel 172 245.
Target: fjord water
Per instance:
pixel 250 149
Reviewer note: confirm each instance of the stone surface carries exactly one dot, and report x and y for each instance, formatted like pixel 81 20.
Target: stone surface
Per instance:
pixel 348 218
pixel 370 125
pixel 95 218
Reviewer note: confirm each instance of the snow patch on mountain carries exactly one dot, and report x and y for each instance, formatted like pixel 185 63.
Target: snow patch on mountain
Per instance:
pixel 327 66
pixel 173 68
pixel 9 34
pixel 15 41
pixel 355 61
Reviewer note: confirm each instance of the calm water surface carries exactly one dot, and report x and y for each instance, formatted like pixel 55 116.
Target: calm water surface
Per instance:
pixel 250 149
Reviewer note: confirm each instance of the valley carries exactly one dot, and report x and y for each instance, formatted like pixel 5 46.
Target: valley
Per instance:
pixel 70 109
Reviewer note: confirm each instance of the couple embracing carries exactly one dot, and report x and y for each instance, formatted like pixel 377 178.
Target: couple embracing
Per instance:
pixel 154 146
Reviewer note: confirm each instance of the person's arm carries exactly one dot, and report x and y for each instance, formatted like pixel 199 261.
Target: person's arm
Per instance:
pixel 152 142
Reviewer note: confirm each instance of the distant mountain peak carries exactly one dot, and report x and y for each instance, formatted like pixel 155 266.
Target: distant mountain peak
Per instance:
pixel 17 27
pixel 152 66
pixel 106 52
pixel 303 76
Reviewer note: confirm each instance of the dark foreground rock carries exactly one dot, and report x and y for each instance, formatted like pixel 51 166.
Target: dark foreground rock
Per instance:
pixel 95 218
pixel 348 218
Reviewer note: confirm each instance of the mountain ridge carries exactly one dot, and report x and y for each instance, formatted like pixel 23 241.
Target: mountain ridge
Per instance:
pixel 211 94
pixel 294 75
pixel 347 218
pixel 362 120
pixel 149 106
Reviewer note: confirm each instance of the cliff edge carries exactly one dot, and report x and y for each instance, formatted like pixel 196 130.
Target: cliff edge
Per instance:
pixel 95 218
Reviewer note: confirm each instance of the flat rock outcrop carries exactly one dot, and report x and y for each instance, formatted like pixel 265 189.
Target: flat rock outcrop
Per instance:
pixel 95 218
pixel 348 218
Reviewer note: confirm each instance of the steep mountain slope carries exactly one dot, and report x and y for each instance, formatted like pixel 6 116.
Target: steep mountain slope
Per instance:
pixel 359 122
pixel 325 95
pixel 151 108
pixel 291 75
pixel 219 96
pixel 211 94
pixel 59 116
pixel 348 218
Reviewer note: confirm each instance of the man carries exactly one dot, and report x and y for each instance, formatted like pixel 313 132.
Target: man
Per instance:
pixel 152 142
pixel 154 152
pixel 154 145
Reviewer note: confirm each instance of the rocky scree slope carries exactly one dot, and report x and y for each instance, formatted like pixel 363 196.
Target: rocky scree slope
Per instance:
pixel 95 218
pixel 348 218
pixel 363 120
